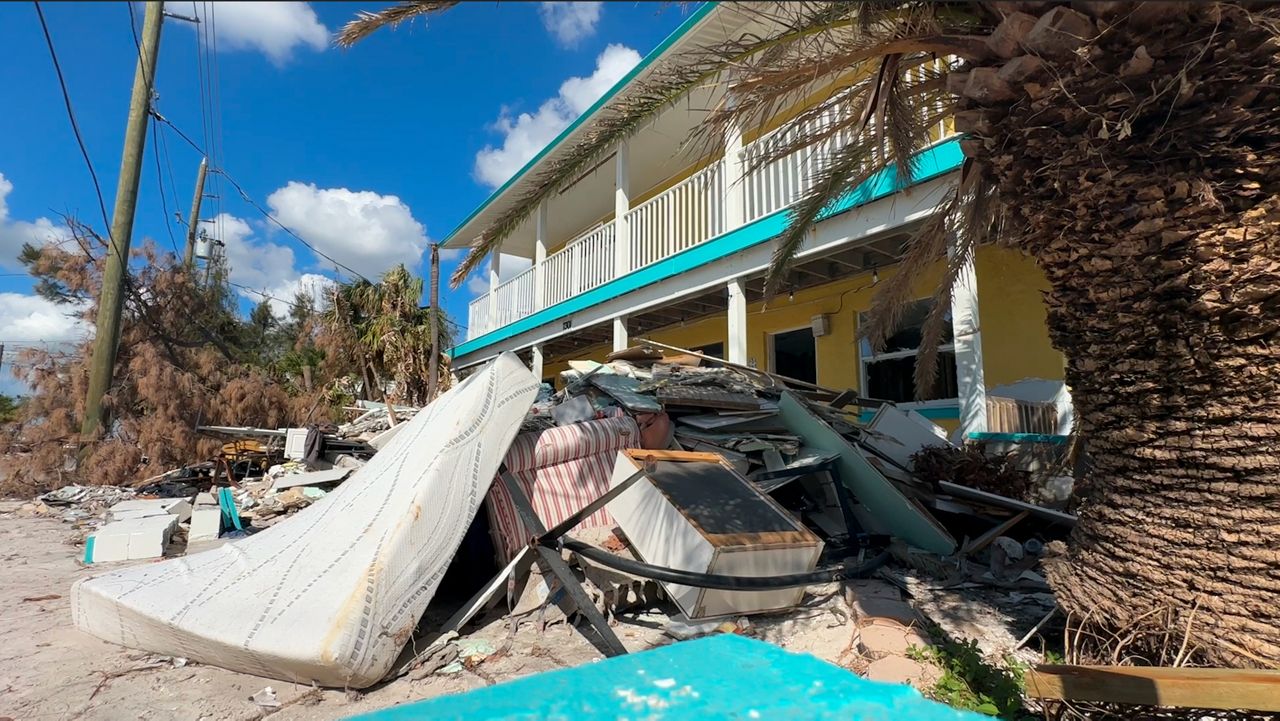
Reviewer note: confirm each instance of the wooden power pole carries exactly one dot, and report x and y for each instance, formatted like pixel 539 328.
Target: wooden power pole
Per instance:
pixel 111 298
pixel 193 222
pixel 433 364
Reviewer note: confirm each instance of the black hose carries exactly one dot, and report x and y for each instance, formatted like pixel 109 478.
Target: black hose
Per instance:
pixel 725 583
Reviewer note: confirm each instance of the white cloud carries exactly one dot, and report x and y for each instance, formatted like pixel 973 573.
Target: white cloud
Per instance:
pixel 32 318
pixel 510 267
pixel 262 267
pixel 13 233
pixel 274 28
pixel 527 134
pixel 570 22
pixel 316 287
pixel 362 229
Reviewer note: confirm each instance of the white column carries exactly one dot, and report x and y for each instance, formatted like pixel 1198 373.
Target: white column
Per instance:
pixel 737 336
pixel 966 329
pixel 536 364
pixel 540 259
pixel 735 191
pixel 621 340
pixel 621 205
pixel 495 267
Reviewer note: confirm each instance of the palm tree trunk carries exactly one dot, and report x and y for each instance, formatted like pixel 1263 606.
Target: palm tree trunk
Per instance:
pixel 1150 196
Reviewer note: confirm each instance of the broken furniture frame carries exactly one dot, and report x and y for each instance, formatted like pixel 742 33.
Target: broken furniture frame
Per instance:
pixel 544 548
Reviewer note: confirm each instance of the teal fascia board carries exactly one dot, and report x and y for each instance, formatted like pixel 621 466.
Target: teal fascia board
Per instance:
pixel 936 413
pixel 697 16
pixel 933 162
pixel 1017 438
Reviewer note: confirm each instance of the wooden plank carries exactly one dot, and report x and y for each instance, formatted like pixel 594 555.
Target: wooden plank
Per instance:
pixel 982 541
pixel 640 455
pixel 1199 688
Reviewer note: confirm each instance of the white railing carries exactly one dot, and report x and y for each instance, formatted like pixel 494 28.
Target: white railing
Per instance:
pixel 586 262
pixel 680 217
pixel 515 298
pixel 478 317
pixel 688 213
pixel 777 184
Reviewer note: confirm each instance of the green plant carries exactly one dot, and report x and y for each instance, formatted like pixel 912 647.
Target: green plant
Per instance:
pixel 969 682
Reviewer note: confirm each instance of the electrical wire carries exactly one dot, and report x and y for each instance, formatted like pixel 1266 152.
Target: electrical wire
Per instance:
pixel 71 115
pixel 285 228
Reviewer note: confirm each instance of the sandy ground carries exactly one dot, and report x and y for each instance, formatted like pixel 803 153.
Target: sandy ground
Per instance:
pixel 50 670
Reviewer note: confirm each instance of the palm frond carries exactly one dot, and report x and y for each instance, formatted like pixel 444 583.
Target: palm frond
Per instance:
pixel 366 23
pixel 977 212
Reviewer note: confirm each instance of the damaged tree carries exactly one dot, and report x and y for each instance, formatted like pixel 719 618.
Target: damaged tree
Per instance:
pixel 1131 149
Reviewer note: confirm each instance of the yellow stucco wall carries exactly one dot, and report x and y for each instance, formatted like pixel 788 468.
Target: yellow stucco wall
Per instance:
pixel 1012 319
pixel 1015 338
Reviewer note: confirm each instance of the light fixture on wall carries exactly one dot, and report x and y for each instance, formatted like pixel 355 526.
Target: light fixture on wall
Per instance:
pixel 875 275
pixel 791 293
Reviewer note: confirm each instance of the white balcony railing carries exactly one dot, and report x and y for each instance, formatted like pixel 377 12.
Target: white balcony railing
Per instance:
pixel 681 217
pixel 691 212
pixel 584 263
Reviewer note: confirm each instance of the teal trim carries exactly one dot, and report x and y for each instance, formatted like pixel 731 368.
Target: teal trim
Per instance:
pixel 1017 438
pixel 933 162
pixel 88 549
pixel 648 60
pixel 937 413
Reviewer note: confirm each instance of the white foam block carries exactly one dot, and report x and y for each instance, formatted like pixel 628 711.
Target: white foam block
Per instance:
pixel 206 522
pixel 331 594
pixel 130 539
pixel 143 507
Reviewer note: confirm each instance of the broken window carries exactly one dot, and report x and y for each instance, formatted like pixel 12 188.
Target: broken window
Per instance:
pixel 889 374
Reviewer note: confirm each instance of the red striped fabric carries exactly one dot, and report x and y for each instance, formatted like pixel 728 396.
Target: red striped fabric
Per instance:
pixel 561 469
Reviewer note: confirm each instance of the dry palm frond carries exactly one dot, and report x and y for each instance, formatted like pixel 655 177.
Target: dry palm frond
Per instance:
pixel 805 37
pixel 365 23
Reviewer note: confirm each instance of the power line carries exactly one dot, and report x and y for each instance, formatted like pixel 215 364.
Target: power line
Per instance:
pixel 71 114
pixel 284 227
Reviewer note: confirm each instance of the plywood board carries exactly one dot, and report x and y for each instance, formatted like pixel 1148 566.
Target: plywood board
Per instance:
pixel 888 510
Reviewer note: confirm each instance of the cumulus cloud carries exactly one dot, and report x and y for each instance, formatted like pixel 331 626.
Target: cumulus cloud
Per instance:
pixel 570 22
pixel 275 29
pixel 527 133
pixel 13 233
pixel 267 271
pixel 511 266
pixel 362 229
pixel 32 318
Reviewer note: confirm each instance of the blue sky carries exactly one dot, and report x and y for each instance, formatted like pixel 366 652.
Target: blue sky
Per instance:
pixel 368 153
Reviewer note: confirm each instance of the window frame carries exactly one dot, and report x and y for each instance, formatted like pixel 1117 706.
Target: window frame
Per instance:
pixel 866 357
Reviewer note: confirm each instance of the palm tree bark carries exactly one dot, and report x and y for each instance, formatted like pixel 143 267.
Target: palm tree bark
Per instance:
pixel 1142 171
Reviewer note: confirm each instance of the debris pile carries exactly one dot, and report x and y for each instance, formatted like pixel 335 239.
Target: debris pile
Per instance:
pixel 656 482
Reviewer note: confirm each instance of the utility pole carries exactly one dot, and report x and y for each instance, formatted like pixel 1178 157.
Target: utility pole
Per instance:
pixel 194 222
pixel 111 298
pixel 433 364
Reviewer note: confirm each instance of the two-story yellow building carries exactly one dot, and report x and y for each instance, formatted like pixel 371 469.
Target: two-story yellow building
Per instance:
pixel 656 243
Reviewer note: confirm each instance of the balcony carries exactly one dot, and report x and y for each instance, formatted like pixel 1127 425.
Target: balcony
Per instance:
pixel 715 200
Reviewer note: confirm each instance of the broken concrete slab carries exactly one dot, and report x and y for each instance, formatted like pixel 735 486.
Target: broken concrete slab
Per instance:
pixel 130 539
pixel 142 508
pixel 902 670
pixel 878 640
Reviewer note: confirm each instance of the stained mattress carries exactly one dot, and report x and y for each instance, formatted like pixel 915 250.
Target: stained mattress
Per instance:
pixel 330 595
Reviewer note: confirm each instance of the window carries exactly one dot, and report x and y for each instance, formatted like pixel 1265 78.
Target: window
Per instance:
pixel 889 375
pixel 715 350
pixel 793 355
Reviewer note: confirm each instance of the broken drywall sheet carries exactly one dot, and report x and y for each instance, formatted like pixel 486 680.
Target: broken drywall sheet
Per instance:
pixel 882 508
pixel 330 595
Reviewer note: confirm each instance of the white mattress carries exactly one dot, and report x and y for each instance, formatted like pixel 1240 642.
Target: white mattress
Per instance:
pixel 332 594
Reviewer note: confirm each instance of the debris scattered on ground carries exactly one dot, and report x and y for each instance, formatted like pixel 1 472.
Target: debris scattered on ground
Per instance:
pixel 847 473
